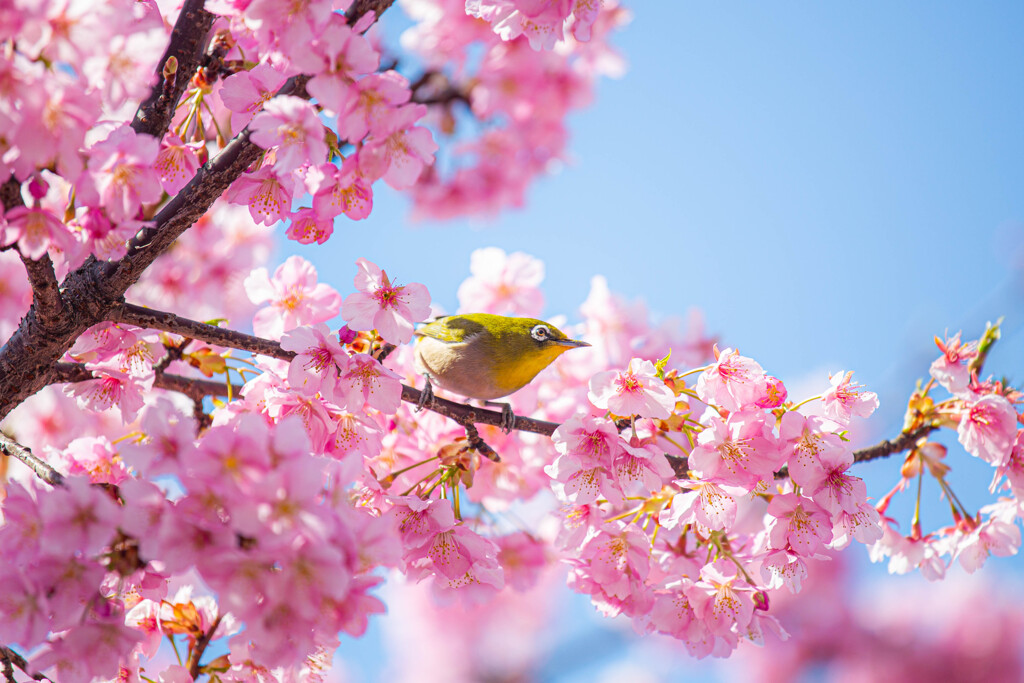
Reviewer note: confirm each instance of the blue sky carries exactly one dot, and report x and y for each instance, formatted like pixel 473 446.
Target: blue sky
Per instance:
pixel 830 183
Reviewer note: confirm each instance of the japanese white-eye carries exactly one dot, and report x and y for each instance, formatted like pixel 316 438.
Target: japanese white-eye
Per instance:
pixel 485 356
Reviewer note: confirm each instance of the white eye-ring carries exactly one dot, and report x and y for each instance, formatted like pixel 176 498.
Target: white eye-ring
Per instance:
pixel 540 332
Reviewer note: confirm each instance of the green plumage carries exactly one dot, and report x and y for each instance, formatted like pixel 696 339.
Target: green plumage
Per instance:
pixel 485 356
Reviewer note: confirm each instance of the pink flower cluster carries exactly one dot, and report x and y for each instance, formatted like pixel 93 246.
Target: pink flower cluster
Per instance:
pixel 687 505
pixel 698 555
pixel 371 112
pixel 76 74
pixel 845 628
pixel 521 94
pixel 987 420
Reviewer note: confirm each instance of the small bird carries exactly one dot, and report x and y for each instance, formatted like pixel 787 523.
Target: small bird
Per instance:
pixel 485 356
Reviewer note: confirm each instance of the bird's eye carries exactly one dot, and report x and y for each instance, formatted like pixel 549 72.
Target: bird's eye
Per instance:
pixel 540 332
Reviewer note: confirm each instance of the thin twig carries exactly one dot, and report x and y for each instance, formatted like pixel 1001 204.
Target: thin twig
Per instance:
pixel 12 448
pixel 169 322
pixel 903 442
pixel 12 658
pixel 478 444
pixel 193 388
pixel 200 648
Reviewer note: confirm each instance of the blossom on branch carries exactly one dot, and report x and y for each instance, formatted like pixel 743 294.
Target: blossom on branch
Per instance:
pixel 379 305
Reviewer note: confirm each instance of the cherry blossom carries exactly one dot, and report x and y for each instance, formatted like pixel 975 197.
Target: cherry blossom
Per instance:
pixel 267 194
pixel 401 150
pixel 319 358
pixel 637 391
pixel 845 399
pixel 295 296
pixel 950 369
pixel 290 126
pixel 732 382
pixel 121 174
pixel 346 191
pixel 505 284
pixel 389 309
pixel 245 92
pixel 35 230
pixel 988 429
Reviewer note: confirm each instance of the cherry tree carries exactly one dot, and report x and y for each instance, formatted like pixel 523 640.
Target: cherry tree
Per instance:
pixel 170 478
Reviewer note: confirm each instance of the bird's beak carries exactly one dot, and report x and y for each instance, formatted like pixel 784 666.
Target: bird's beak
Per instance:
pixel 572 342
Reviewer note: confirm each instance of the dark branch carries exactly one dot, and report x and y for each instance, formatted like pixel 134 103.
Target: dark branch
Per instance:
pixel 883 449
pixel 200 647
pixel 28 359
pixel 361 7
pixel 11 659
pixel 10 194
pixel 188 39
pixel 9 446
pixel 433 87
pixel 196 389
pixel 46 298
pixel 41 276
pixel 468 415
pixel 169 322
pixel 193 388
pixel 903 442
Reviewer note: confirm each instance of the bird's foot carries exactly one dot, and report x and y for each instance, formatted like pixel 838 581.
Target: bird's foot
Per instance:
pixel 426 395
pixel 508 418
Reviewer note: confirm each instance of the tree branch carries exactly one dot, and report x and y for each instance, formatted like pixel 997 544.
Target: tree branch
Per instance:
pixel 903 442
pixel 41 276
pixel 200 648
pixel 46 296
pixel 149 318
pixel 466 414
pixel 12 448
pixel 11 659
pixel 169 322
pixel 28 359
pixel 361 7
pixel 196 389
pixel 187 43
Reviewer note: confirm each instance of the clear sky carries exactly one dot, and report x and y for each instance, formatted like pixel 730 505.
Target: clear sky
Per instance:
pixel 830 183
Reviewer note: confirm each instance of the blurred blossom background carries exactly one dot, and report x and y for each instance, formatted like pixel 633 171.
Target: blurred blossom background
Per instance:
pixel 825 187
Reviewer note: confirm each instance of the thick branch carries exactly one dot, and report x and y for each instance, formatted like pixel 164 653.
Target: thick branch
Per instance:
pixel 9 446
pixel 27 361
pixel 186 46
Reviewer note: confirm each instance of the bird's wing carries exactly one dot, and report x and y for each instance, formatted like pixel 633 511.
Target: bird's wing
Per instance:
pixel 451 329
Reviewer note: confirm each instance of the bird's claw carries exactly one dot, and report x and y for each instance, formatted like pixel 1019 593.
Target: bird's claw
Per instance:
pixel 508 418
pixel 426 396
